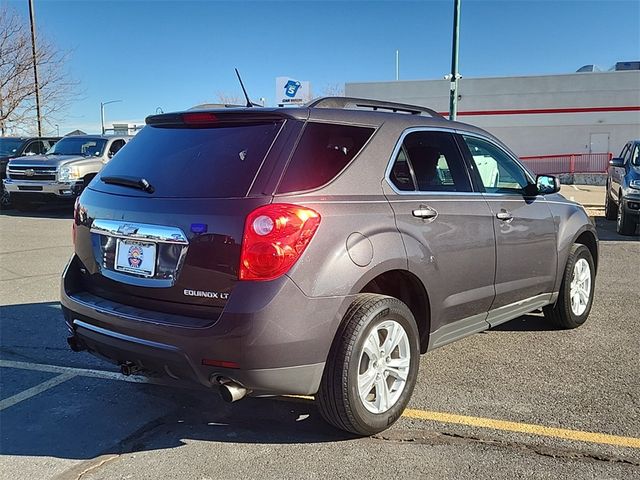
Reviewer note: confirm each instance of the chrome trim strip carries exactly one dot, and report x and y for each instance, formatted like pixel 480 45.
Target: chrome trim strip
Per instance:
pixel 139 231
pixel 121 336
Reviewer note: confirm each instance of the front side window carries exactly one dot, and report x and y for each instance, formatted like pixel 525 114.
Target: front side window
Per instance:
pixel 635 156
pixel 115 146
pixel 429 161
pixel 34 148
pixel 498 172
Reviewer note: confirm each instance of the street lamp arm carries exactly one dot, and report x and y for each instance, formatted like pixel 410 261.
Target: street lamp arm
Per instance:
pixel 102 104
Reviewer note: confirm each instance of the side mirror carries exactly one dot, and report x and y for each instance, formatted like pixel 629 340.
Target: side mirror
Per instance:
pixel 547 184
pixel 616 162
pixel 110 154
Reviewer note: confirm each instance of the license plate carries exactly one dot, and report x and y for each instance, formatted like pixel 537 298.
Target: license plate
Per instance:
pixel 135 257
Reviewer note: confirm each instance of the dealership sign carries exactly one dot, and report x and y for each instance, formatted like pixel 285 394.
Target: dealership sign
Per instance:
pixel 290 91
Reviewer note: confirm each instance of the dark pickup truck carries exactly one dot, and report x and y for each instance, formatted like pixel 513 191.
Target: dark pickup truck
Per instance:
pixel 13 147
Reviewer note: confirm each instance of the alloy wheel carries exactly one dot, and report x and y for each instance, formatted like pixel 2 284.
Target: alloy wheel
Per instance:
pixel 580 287
pixel 384 366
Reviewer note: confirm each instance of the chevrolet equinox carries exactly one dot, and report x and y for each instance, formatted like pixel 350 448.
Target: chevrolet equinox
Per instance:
pixel 316 251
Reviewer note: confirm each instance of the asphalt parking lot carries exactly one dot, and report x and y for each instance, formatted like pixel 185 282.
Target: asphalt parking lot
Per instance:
pixel 521 400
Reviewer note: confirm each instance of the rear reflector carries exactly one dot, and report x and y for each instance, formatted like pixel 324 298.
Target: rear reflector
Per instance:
pixel 274 238
pixel 197 118
pixel 219 363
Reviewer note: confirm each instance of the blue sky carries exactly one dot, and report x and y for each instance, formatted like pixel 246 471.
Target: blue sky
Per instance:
pixel 175 54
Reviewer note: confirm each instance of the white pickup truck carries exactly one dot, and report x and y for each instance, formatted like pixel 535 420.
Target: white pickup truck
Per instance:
pixel 62 172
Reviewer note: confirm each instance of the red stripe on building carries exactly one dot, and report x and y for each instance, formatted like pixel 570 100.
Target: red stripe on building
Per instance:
pixel 534 111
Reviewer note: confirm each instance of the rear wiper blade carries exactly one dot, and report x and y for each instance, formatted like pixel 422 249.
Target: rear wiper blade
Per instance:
pixel 132 182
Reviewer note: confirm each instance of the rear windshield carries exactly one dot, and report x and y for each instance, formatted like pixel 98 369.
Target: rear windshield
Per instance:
pixel 322 153
pixel 220 161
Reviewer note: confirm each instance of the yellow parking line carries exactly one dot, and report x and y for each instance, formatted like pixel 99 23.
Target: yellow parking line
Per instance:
pixel 528 428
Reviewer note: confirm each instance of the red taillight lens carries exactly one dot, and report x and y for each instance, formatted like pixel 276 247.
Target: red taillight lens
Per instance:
pixel 274 238
pixel 197 118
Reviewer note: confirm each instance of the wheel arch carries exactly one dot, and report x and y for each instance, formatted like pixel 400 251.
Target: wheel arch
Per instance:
pixel 408 288
pixel 589 240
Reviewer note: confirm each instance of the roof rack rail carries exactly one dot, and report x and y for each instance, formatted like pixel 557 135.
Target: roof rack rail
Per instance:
pixel 346 102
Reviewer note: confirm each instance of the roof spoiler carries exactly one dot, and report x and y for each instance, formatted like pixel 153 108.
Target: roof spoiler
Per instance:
pixel 359 103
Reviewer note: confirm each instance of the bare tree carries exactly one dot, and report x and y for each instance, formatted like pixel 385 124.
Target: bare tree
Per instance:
pixel 333 90
pixel 17 85
pixel 229 99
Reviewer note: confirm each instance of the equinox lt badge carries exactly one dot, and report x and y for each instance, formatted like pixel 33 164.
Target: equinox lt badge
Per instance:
pixel 201 293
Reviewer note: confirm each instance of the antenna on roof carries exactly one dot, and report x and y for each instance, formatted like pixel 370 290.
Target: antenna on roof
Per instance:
pixel 244 90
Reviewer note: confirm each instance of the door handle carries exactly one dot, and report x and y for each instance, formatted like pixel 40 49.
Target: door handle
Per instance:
pixel 504 216
pixel 424 212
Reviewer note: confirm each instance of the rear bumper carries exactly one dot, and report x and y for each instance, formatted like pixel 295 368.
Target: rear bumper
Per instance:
pixel 277 337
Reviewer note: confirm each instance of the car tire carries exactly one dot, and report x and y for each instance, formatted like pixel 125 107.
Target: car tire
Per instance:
pixel 576 292
pixel 625 224
pixel 5 199
pixel 610 207
pixel 353 366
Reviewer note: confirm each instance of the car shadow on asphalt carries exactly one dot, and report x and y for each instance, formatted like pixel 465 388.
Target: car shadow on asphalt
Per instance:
pixel 607 231
pixel 87 416
pixel 45 211
pixel 532 322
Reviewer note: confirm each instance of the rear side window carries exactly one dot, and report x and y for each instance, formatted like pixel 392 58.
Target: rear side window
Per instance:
pixel 214 162
pixel 322 153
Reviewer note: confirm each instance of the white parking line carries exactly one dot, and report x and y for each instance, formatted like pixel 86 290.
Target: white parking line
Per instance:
pixel 33 391
pixel 80 372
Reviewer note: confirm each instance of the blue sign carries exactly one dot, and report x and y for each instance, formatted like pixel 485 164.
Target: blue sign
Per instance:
pixel 291 88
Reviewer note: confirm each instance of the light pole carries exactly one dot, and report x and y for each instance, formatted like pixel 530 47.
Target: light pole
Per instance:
pixel 102 104
pixel 57 130
pixel 453 96
pixel 35 65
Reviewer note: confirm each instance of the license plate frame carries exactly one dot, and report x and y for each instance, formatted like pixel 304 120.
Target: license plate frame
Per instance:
pixel 136 257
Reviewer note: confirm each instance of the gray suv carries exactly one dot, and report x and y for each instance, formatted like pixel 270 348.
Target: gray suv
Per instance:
pixel 316 251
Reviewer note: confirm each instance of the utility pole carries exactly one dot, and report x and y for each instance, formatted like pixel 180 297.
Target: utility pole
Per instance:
pixel 397 65
pixel 35 66
pixel 453 98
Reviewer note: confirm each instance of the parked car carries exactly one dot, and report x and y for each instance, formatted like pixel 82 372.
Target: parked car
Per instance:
pixel 12 147
pixel 622 198
pixel 316 250
pixel 62 172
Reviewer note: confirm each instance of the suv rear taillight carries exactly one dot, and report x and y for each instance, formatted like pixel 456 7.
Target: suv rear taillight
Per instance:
pixel 274 238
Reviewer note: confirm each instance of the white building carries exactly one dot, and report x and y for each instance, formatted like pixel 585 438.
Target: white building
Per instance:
pixel 593 112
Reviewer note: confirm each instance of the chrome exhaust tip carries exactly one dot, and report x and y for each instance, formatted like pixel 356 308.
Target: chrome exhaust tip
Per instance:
pixel 231 391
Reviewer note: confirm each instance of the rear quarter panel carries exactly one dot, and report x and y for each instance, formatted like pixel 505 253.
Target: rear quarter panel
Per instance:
pixel 357 240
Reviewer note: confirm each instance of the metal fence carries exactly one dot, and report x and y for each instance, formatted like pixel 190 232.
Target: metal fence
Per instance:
pixel 568 163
